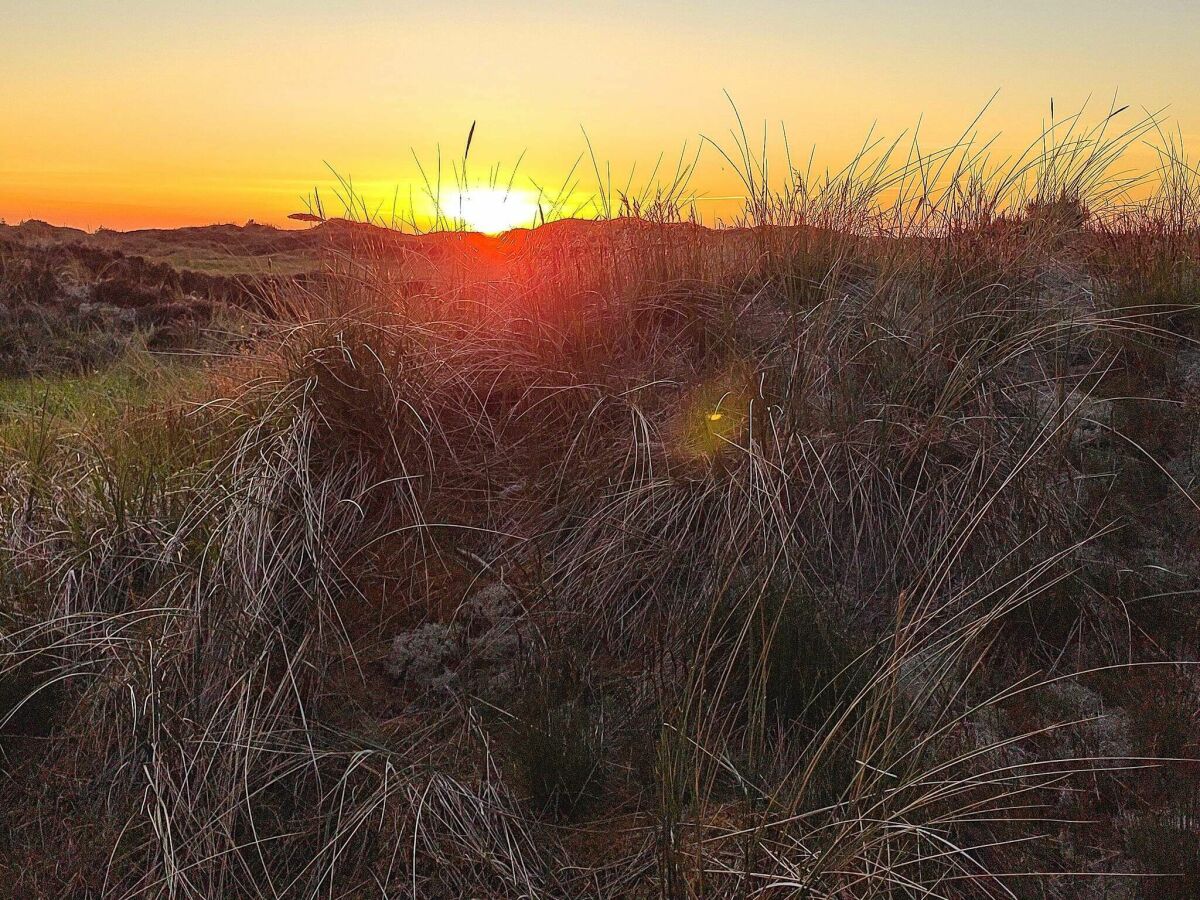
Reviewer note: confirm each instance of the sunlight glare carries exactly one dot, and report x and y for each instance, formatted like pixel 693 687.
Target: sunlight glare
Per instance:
pixel 493 210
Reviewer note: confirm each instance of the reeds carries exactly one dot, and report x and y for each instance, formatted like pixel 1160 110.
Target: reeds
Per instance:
pixel 759 558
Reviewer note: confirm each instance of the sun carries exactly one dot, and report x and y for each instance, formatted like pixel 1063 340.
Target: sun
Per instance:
pixel 492 210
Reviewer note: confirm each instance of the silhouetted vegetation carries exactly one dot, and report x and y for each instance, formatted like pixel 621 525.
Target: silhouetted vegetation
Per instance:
pixel 852 551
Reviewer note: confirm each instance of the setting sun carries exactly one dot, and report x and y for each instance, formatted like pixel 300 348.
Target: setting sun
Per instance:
pixel 492 210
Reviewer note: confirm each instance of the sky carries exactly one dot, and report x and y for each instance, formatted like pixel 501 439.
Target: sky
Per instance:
pixel 159 113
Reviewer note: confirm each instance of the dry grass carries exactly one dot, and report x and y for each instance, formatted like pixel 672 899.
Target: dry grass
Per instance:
pixel 836 555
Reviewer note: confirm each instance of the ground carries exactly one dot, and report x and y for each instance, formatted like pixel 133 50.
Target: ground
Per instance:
pixel 626 558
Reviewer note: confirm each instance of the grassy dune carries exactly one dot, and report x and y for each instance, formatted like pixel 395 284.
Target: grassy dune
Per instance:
pixel 853 552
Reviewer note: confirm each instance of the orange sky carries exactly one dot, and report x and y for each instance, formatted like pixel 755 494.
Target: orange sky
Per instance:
pixel 134 113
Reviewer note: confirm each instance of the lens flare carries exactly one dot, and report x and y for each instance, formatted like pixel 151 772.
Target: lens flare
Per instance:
pixel 714 417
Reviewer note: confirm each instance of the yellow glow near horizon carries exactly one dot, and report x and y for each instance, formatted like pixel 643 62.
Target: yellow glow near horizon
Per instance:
pixel 173 112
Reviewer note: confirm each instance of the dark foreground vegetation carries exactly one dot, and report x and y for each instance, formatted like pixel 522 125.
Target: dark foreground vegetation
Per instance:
pixel 853 553
pixel 69 307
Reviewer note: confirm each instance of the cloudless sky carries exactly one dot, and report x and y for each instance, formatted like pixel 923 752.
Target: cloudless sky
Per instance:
pixel 130 113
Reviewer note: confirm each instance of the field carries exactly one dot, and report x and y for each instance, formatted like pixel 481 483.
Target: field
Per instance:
pixel 853 551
